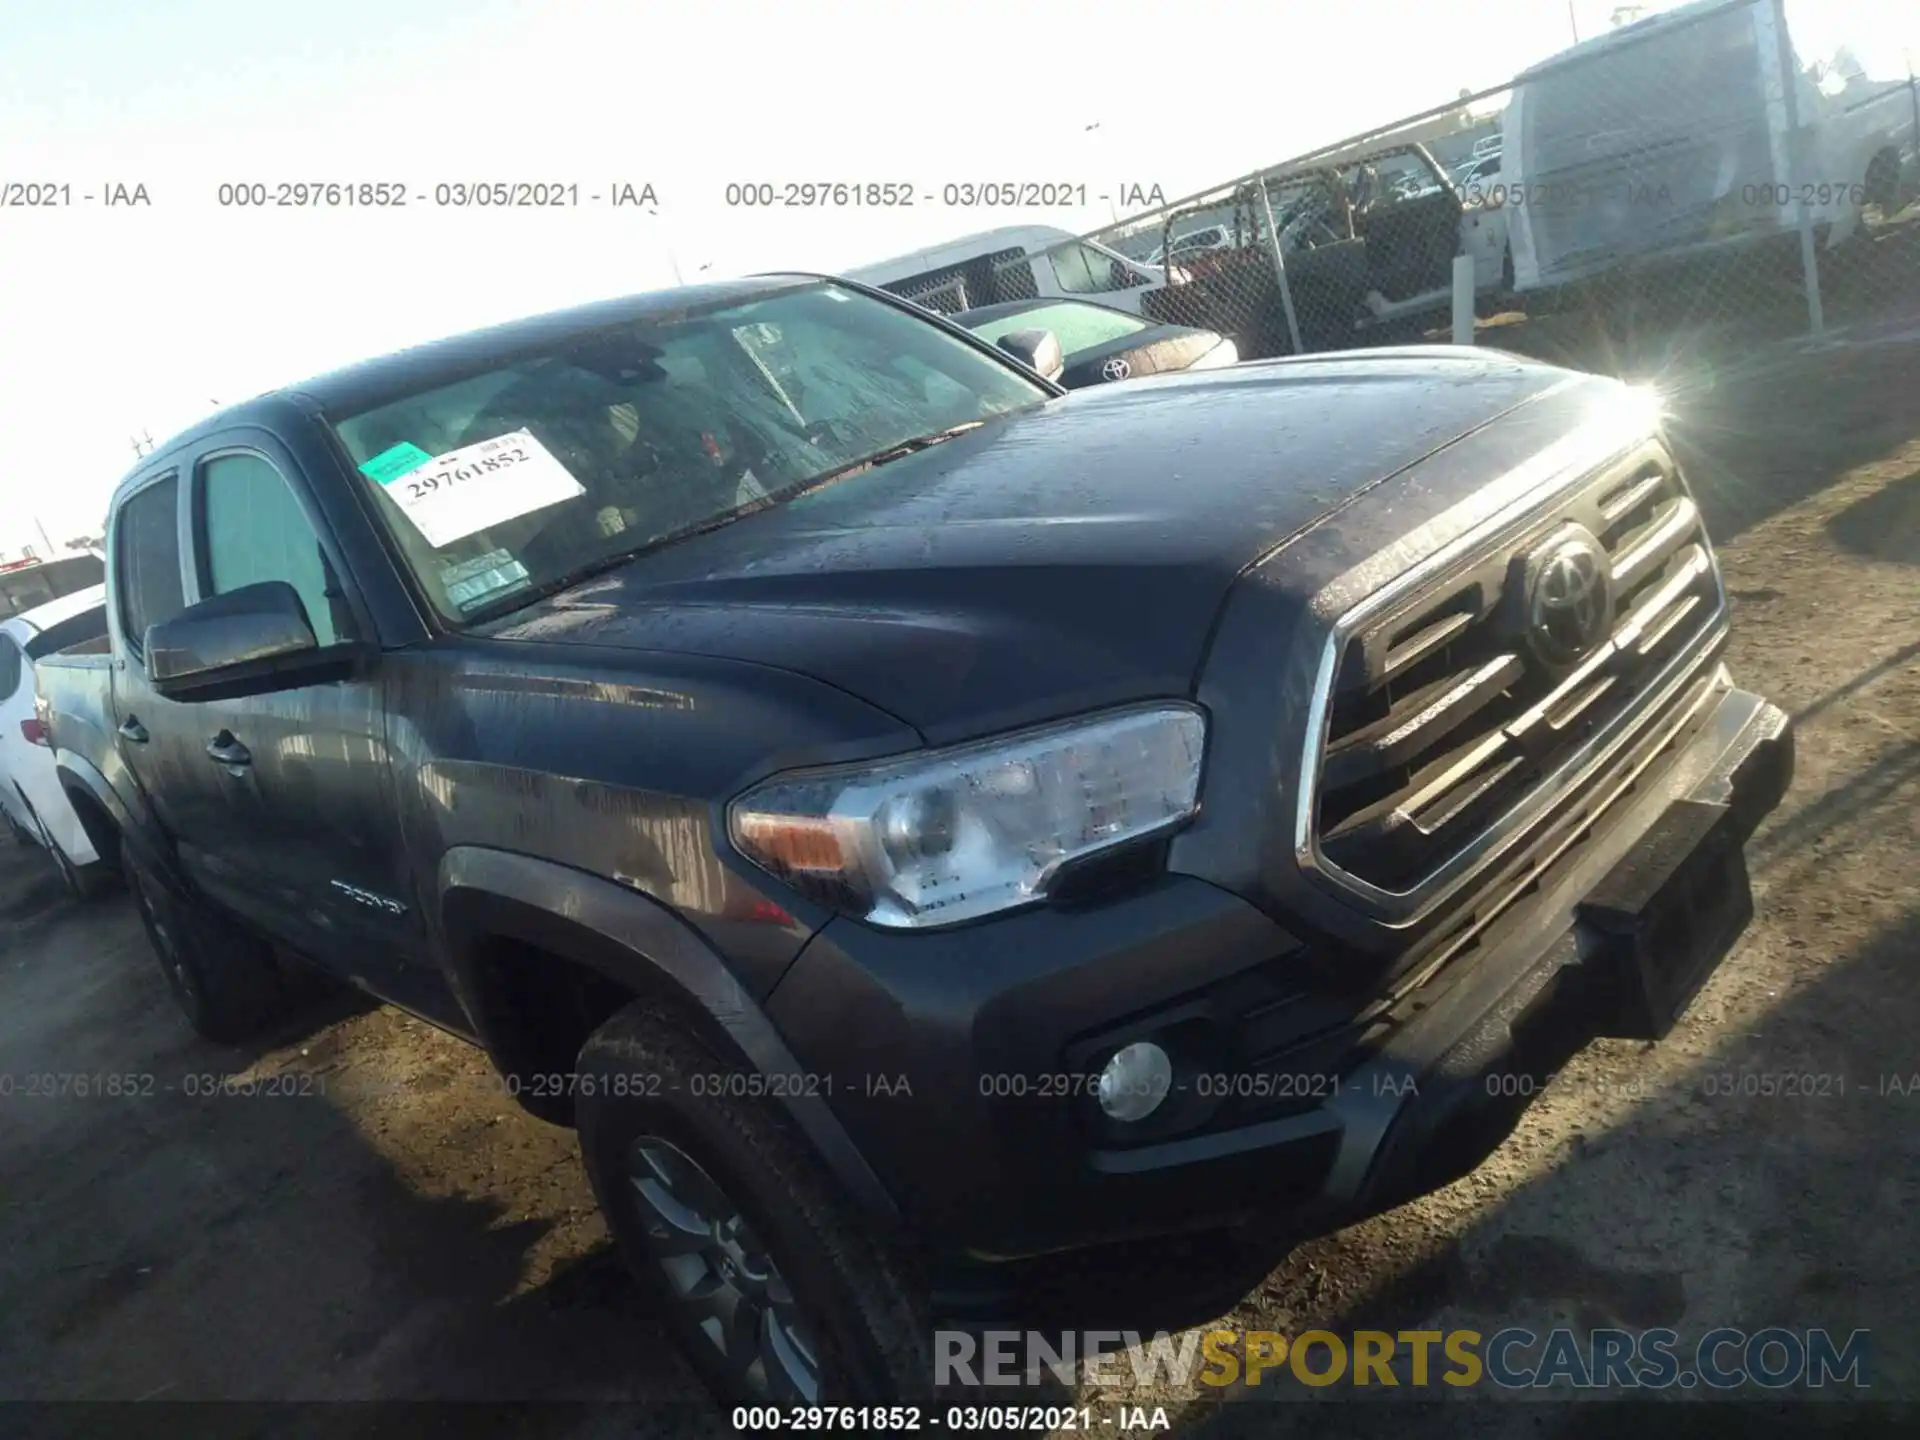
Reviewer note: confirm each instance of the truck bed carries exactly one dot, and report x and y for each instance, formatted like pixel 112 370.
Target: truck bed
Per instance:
pixel 74 699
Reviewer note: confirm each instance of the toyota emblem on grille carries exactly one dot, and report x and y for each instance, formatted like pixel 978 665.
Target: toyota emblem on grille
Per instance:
pixel 1116 369
pixel 1569 597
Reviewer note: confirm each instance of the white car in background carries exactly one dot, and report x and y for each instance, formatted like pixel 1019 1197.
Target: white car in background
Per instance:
pixel 1014 262
pixel 36 808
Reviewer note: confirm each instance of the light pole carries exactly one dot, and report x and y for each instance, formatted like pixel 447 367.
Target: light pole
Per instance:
pixel 1913 93
pixel 1573 22
pixel 1113 210
pixel 667 245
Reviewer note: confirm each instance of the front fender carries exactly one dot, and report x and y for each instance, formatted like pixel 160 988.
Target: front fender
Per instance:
pixel 643 946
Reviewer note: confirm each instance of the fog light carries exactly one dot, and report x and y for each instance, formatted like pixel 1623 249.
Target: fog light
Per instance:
pixel 1135 1081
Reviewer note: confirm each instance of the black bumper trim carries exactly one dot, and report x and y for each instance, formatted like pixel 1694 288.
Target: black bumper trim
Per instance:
pixel 1422 1112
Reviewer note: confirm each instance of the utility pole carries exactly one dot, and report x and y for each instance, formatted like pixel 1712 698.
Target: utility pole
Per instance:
pixel 1573 22
pixel 667 245
pixel 1113 210
pixel 1913 93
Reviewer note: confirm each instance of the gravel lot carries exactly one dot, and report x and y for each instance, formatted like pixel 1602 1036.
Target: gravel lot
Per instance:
pixel 396 1230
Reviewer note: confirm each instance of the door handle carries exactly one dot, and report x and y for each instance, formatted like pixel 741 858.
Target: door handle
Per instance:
pixel 132 729
pixel 227 750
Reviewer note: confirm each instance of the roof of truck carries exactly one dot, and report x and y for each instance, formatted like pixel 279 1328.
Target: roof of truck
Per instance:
pixel 343 388
pixel 946 252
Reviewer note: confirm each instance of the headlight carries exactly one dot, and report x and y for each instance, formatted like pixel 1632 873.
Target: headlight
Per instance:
pixel 954 834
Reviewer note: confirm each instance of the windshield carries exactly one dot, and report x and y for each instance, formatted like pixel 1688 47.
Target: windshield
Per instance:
pixel 1076 327
pixel 519 478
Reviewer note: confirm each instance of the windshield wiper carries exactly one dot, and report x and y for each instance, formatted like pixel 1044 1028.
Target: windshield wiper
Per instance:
pixel 532 594
pixel 520 599
pixel 910 446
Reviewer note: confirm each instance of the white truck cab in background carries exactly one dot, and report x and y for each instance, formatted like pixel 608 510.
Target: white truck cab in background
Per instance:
pixel 1675 135
pixel 1016 262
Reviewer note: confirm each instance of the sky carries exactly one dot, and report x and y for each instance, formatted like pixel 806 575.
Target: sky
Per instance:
pixel 117 321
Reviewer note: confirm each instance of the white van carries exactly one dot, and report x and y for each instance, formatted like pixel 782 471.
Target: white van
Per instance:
pixel 1670 136
pixel 1016 262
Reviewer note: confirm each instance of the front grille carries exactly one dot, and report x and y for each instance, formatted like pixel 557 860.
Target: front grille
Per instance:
pixel 1450 708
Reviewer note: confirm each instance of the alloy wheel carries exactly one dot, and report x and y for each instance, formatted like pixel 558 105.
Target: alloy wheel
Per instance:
pixel 721 1275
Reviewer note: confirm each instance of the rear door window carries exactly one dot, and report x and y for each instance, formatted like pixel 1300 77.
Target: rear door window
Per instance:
pixel 147 560
pixel 1083 270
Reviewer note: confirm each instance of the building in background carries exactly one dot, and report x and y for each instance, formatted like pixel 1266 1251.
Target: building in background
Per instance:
pixel 25 584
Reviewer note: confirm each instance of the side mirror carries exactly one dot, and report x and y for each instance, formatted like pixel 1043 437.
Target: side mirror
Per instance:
pixel 1038 350
pixel 250 641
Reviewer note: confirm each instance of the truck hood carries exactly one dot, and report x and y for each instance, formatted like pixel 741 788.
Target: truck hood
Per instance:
pixel 1068 557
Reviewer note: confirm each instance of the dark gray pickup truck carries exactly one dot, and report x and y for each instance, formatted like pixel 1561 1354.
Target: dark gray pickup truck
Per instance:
pixel 914 821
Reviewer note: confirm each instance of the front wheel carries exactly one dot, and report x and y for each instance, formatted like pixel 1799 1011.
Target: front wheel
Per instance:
pixel 225 981
pixel 777 1290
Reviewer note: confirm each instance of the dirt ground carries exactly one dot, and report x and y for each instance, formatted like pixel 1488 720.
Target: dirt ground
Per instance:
pixel 386 1226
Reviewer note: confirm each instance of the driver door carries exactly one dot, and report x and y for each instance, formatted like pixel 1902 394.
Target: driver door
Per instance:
pixel 287 815
pixel 1410 223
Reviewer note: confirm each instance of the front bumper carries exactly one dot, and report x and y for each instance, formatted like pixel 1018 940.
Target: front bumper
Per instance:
pixel 961 1062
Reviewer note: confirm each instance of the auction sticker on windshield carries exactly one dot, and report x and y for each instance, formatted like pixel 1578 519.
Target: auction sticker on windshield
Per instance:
pixel 464 491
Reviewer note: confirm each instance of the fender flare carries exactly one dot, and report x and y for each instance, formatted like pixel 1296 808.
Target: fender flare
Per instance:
pixel 634 940
pixel 77 773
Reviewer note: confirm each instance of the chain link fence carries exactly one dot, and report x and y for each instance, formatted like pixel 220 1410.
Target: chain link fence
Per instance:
pixel 1703 181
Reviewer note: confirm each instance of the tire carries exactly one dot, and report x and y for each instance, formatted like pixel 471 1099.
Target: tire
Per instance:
pixel 720 1210
pixel 225 981
pixel 83 885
